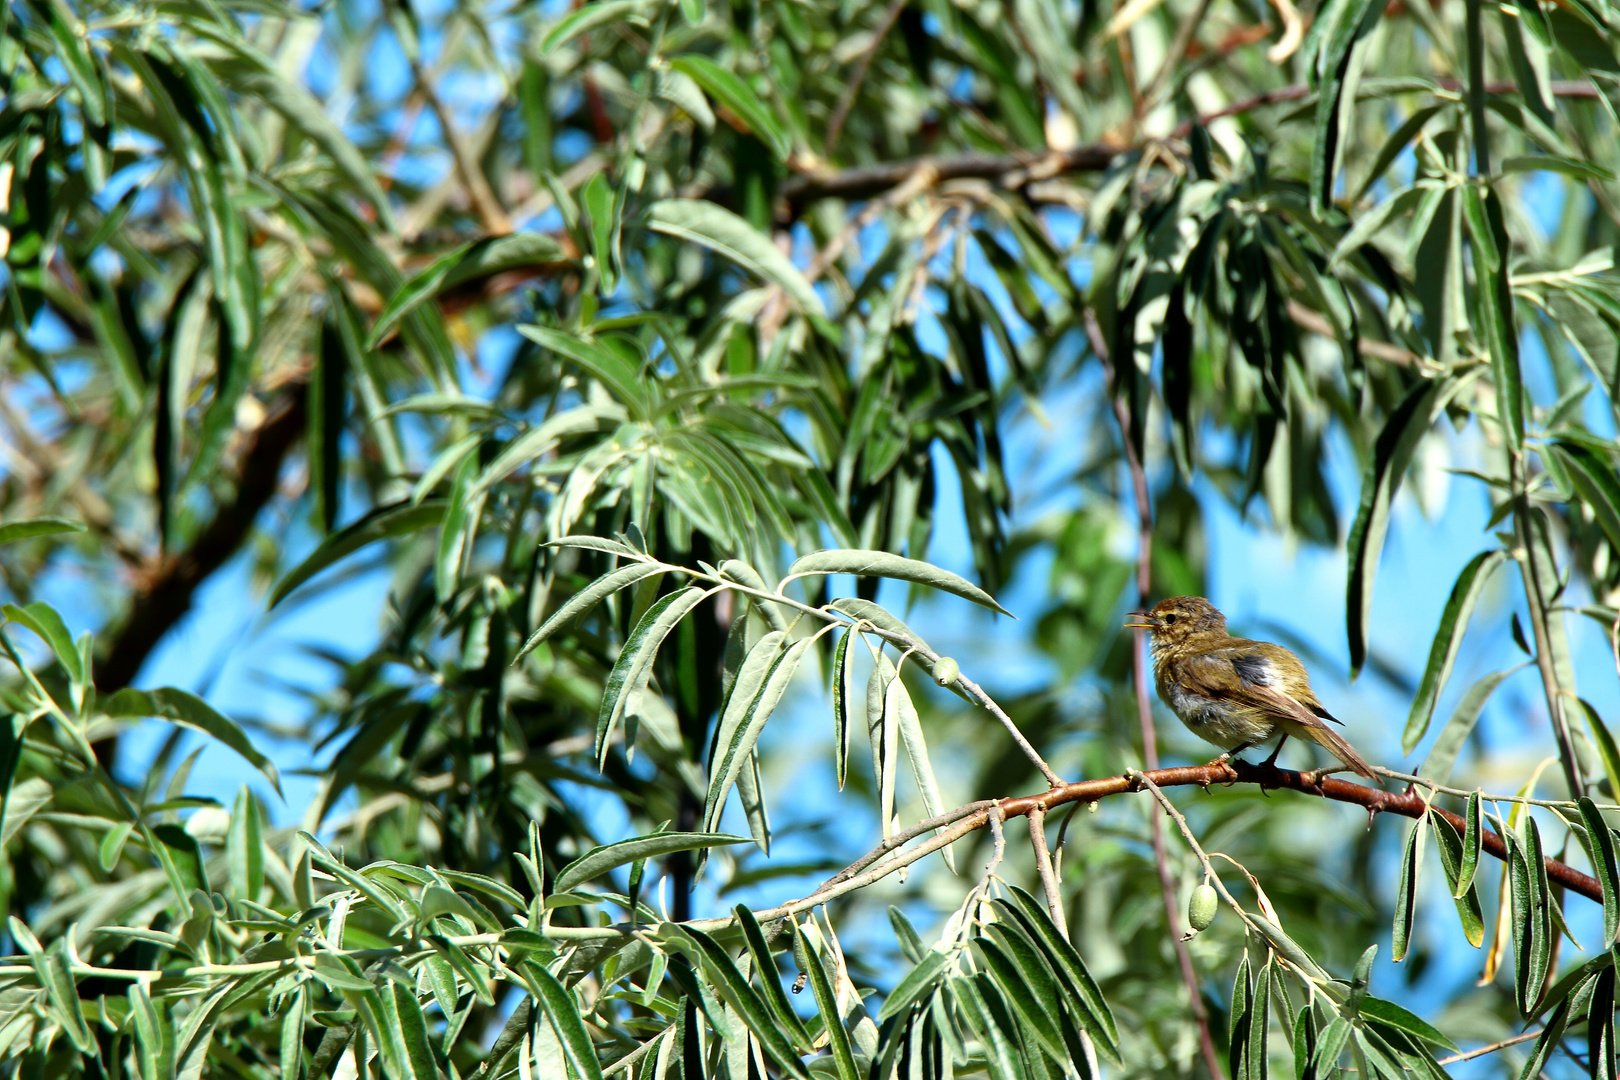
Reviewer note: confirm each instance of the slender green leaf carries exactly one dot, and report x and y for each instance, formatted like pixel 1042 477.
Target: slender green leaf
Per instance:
pixel 866 611
pixel 1447 641
pixel 588 17
pixel 559 1007
pixel 1580 170
pixel 1406 891
pixel 770 981
pixel 842 672
pixel 1605 866
pixel 1099 1019
pixel 51 968
pixel 1595 481
pixel 537 441
pixel 731 755
pixel 587 598
pixel 1473 842
pixel 407 1030
pixel 599 860
pixel 634 667
pixel 179 707
pixel 1469 912
pixel 727 88
pixel 1483 211
pixel 1391 454
pixel 918 983
pixel 1603 739
pixel 725 233
pixel 383 523
pixel 1031 999
pixel 244 847
pixel 1443 755
pixel 43 620
pixel 883 564
pixel 916 747
pixel 728 981
pixel 13 531
pixel 469 262
pixel 843 1054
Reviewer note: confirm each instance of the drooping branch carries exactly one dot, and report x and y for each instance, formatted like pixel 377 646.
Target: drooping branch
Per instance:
pixel 892 855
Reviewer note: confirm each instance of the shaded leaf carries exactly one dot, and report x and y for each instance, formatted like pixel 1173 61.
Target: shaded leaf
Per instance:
pixel 727 234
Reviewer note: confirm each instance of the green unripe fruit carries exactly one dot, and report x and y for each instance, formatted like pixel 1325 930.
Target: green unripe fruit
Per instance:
pixel 946 671
pixel 1201 907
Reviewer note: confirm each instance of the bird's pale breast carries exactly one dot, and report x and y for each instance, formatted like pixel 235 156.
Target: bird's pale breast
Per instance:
pixel 1220 722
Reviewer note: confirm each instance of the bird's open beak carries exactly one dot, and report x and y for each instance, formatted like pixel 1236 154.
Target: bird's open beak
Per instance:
pixel 1142 621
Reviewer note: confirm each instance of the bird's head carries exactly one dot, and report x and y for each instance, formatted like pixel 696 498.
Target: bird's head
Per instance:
pixel 1178 618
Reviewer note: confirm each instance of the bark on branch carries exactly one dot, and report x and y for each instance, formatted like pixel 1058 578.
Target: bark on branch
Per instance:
pixel 160 602
pixel 1271 778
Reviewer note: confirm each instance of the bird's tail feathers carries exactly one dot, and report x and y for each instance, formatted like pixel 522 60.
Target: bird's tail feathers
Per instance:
pixel 1336 745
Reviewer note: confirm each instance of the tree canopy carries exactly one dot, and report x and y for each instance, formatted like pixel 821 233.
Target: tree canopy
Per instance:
pixel 639 343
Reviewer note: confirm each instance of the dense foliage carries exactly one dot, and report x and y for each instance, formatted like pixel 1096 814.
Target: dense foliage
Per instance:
pixel 784 273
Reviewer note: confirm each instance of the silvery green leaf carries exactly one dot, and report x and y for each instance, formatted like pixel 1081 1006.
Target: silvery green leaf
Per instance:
pixel 884 564
pixel 911 737
pixel 634 667
pixel 599 860
pixel 13 531
pixel 867 611
pixel 1447 641
pixel 841 690
pixel 587 18
pixel 537 441
pixel 753 802
pixel 731 755
pixel 746 575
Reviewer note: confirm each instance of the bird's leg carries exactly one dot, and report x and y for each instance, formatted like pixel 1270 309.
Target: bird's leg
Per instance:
pixel 1272 760
pixel 1226 757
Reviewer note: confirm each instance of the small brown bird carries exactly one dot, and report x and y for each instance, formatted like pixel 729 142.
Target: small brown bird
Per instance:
pixel 1234 692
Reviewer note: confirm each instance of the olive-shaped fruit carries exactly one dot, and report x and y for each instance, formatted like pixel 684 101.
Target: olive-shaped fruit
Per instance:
pixel 1201 907
pixel 946 671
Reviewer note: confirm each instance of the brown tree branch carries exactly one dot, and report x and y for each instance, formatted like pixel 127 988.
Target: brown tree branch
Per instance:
pixel 1306 319
pixel 160 602
pixel 1270 777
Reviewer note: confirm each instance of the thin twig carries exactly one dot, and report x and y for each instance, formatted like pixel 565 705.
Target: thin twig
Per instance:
pixel 846 99
pixel 1306 319
pixel 1263 925
pixel 1173 55
pixel 1144 705
pixel 1491 1049
pixel 494 217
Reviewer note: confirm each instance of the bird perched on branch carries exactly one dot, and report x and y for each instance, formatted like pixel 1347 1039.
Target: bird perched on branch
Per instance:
pixel 1234 692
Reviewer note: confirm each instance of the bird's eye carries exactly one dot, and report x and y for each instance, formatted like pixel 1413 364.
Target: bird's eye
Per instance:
pixel 1169 620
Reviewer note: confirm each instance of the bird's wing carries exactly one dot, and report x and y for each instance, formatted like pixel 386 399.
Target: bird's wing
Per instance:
pixel 1246 674
pixel 1252 674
